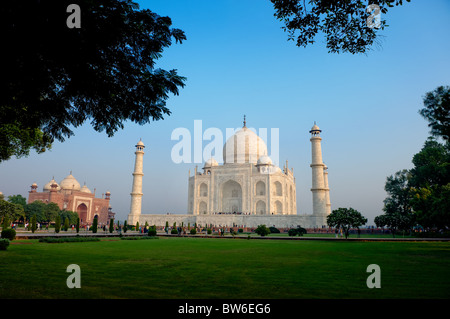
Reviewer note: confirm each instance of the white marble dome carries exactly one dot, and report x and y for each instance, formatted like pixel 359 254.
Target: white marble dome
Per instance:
pixel 245 146
pixel 48 186
pixel 70 183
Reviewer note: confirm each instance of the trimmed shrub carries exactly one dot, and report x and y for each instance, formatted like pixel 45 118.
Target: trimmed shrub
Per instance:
pixel 66 224
pixel 292 232
pixel 111 225
pixel 57 224
pixel 125 226
pixel 297 231
pixel 5 224
pixel 209 231
pixel 152 231
pixel 274 230
pixel 33 224
pixel 174 231
pixel 262 230
pixel 78 225
pixel 4 243
pixel 193 231
pixel 94 225
pixel 68 239
pixel 9 234
pixel 240 230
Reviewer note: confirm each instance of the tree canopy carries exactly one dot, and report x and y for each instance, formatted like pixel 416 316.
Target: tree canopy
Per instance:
pixel 437 111
pixel 421 195
pixel 57 77
pixel 344 22
pixel 346 218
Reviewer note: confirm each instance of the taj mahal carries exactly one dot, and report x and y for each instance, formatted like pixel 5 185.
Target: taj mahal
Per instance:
pixel 247 190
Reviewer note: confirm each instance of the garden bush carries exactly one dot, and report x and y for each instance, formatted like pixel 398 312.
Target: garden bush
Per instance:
pixel 274 230
pixel 4 243
pixel 174 231
pixel 193 231
pixel 297 231
pixel 209 231
pixel 262 230
pixel 152 231
pixel 9 233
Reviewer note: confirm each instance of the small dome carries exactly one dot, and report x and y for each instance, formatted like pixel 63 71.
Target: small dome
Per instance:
pixel 85 189
pixel 70 183
pixel 211 162
pixel 48 186
pixel 140 143
pixel 264 160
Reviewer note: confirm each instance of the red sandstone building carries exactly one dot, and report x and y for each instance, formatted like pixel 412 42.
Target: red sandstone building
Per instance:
pixel 70 196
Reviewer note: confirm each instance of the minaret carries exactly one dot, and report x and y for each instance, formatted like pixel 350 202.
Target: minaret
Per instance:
pixel 136 193
pixel 319 191
pixel 325 181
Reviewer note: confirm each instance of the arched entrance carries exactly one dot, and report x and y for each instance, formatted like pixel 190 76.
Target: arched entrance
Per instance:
pixel 82 213
pixel 231 195
pixel 202 208
pixel 260 208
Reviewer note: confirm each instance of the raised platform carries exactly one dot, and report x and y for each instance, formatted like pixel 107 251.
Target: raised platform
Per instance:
pixel 230 220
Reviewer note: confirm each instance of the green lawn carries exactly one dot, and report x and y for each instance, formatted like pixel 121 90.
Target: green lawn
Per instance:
pixel 225 268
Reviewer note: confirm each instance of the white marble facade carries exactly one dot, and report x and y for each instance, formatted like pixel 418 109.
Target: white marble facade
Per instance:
pixel 247 183
pixel 246 190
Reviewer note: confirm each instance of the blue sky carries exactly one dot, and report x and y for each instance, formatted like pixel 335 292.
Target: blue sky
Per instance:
pixel 238 61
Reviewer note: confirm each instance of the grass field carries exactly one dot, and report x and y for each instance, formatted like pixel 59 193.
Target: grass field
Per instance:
pixel 192 268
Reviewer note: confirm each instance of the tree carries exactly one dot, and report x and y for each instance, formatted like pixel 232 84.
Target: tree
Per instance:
pixel 125 226
pixel 262 230
pixel 344 22
pixel 346 218
pixel 66 223
pixel 111 225
pixel 57 224
pixel 38 209
pixel 94 225
pixel 70 215
pixel 5 222
pixel 430 185
pixel 78 225
pixel 33 224
pixel 51 211
pixel 18 199
pixel 397 206
pixel 59 77
pixel 395 221
pixel 11 211
pixel 437 111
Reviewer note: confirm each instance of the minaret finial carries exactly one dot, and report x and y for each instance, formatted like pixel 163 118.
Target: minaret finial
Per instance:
pixel 245 122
